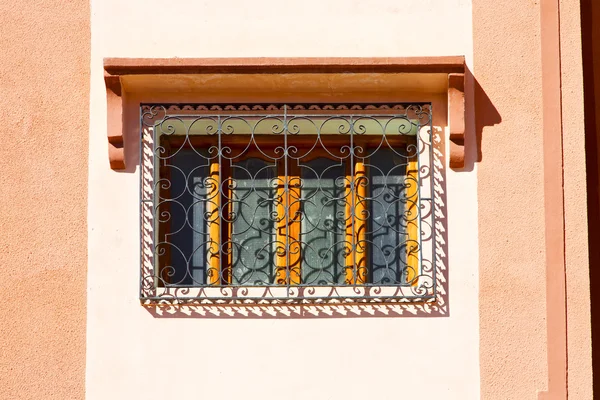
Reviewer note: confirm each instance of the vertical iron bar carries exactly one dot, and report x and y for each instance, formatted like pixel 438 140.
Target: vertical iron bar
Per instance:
pixel 419 196
pixel 141 208
pixel 433 203
pixel 155 196
pixel 352 204
pixel 287 202
pixel 219 203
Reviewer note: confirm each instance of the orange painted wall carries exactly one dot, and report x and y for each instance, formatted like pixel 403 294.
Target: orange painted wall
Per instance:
pixel 577 244
pixel 44 112
pixel 523 346
pixel 512 298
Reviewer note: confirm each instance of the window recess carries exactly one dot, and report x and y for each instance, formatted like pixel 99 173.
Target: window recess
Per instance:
pixel 287 203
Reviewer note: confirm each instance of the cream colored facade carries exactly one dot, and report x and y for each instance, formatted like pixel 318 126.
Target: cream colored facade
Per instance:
pixel 229 358
pixel 499 339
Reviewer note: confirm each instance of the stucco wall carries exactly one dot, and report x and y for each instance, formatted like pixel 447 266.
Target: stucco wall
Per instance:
pixel 576 241
pixel 133 354
pixel 44 109
pixel 511 197
pixel 519 116
pixel 496 333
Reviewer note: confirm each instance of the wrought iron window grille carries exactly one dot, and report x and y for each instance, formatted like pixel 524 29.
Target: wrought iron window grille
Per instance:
pixel 287 203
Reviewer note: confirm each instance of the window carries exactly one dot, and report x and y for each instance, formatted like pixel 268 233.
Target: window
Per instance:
pixel 287 201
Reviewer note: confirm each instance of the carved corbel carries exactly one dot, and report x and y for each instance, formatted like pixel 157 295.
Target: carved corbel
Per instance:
pixel 456 115
pixel 114 103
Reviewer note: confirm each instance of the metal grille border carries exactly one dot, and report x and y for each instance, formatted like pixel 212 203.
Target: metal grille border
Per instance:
pixel 354 124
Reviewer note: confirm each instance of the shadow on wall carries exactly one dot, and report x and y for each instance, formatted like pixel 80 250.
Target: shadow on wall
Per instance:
pixel 131 136
pixel 590 36
pixel 485 114
pixel 293 311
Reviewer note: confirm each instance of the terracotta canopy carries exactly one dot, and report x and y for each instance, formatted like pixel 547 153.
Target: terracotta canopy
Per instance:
pixel 322 77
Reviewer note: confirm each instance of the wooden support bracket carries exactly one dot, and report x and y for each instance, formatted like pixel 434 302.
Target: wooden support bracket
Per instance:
pixel 114 105
pixel 456 119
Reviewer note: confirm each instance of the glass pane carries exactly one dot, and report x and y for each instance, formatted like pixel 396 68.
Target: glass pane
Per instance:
pixel 252 236
pixel 388 226
pixel 186 238
pixel 323 223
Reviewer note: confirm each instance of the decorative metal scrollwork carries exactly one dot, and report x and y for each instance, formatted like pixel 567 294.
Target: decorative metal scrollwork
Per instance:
pixel 285 203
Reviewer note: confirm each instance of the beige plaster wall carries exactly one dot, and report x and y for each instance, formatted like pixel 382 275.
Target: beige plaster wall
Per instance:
pixel 44 109
pixel 132 353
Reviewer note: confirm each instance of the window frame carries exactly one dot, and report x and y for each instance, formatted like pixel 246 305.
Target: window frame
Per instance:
pixel 411 172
